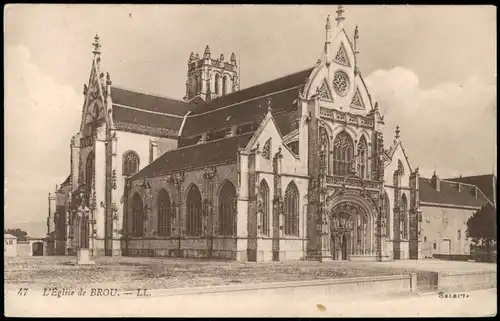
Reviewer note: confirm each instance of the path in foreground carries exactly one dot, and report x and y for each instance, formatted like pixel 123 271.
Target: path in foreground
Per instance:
pixel 479 303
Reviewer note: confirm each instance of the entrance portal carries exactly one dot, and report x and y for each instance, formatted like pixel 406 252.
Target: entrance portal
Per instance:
pixel 352 231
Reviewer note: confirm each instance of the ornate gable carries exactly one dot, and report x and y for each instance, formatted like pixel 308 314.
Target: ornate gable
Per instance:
pixel 341 57
pixel 323 92
pixel 357 100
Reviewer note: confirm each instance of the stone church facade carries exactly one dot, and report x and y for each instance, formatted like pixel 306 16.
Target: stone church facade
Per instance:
pixel 292 169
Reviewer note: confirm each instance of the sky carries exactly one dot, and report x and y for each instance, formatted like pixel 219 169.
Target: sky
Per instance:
pixel 431 68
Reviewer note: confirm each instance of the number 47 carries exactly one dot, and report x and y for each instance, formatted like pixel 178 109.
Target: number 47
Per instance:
pixel 22 291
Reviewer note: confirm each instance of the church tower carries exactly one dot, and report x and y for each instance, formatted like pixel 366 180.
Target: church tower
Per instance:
pixel 208 78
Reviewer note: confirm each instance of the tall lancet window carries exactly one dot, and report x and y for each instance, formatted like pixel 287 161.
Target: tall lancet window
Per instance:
pixel 325 150
pixel 164 214
pixel 404 217
pixel 292 210
pixel 343 151
pixel 363 158
pixel 224 85
pixel 194 212
pixel 217 85
pixel 264 194
pixel 227 197
pixel 89 173
pixel 137 216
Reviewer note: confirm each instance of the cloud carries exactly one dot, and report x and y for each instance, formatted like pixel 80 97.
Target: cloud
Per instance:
pixel 450 127
pixel 40 117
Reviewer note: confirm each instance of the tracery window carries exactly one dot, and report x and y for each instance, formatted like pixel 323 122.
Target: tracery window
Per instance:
pixel 264 194
pixel 224 85
pixel 341 83
pixel 387 211
pixel 324 150
pixel 404 217
pixel 217 86
pixel 363 158
pixel 291 210
pixel 193 212
pixel 227 197
pixel 165 211
pixel 343 150
pixel 89 173
pixel 130 163
pixel 137 216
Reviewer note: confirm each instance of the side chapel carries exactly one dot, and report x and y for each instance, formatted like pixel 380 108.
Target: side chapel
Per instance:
pixel 291 169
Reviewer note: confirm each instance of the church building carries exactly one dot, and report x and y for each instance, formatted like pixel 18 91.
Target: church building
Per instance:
pixel 295 168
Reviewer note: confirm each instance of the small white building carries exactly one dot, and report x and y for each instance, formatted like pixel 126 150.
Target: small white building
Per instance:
pixel 10 245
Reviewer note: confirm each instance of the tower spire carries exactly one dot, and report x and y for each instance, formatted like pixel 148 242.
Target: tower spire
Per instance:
pixel 356 51
pixel 97 46
pixel 397 131
pixel 340 15
pixel 328 39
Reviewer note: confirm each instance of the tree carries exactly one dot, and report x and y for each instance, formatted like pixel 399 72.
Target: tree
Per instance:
pixel 482 227
pixel 20 234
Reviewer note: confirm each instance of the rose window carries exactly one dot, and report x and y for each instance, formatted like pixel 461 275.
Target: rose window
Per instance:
pixel 341 83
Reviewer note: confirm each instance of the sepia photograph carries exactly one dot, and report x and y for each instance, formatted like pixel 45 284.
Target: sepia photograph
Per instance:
pixel 250 160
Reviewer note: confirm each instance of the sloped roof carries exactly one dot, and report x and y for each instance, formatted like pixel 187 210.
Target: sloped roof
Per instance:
pixel 149 102
pixel 269 87
pixel 9 236
pixel 66 181
pixel 253 110
pixel 483 182
pixel 247 105
pixel 449 194
pixel 145 122
pixel 213 152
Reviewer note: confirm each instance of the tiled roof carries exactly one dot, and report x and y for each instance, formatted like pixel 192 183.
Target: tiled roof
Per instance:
pixel 279 84
pixel 483 182
pixel 217 151
pixel 253 110
pixel 449 194
pixel 149 102
pixel 144 122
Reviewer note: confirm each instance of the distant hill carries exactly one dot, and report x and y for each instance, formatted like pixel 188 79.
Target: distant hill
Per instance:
pixel 34 229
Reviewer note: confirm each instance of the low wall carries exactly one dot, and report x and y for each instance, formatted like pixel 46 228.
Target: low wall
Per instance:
pixel 335 287
pixel 478 257
pixel 466 281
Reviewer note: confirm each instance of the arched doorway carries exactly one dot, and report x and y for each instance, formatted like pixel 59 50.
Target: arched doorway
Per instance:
pixel 37 248
pixel 351 231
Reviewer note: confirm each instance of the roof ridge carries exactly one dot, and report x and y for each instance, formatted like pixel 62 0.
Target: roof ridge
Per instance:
pixel 150 94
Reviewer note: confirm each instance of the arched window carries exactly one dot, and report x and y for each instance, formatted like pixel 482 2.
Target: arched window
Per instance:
pixel 217 85
pixel 89 173
pixel 291 210
pixel 224 84
pixel 363 158
pixel 196 85
pixel 227 196
pixel 193 212
pixel 164 213
pixel 264 194
pixel 343 150
pixel 130 163
pixel 387 211
pixel 137 216
pixel 404 217
pixel 325 149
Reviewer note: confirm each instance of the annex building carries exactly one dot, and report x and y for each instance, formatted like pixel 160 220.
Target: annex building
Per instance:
pixel 295 168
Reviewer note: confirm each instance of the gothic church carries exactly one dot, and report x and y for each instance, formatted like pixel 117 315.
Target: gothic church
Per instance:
pixel 295 168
